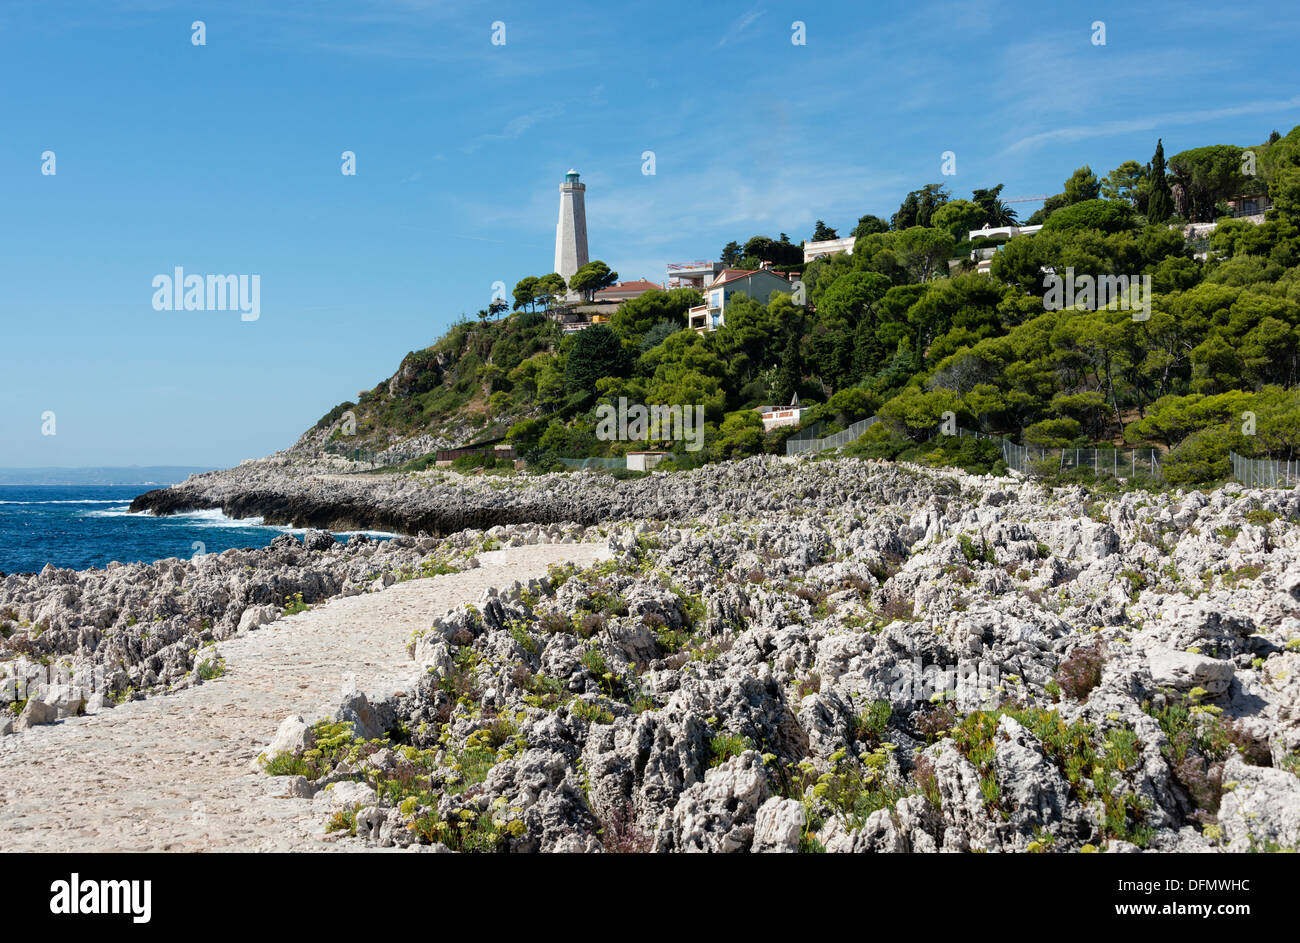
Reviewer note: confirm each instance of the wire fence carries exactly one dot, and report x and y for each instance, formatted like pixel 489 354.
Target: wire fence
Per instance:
pixel 354 454
pixel 1265 472
pixel 794 446
pixel 1029 460
pixel 807 435
pixel 581 463
pixel 1026 459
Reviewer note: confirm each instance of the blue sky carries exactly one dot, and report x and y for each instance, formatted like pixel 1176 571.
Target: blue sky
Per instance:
pixel 225 159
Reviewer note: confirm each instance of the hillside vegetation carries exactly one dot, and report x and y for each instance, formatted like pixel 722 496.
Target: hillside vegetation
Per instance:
pixel 898 331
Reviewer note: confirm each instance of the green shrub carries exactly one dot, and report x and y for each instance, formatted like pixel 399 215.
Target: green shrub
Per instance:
pixel 724 746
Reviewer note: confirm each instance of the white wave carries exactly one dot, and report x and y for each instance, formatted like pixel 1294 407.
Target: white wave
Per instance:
pixel 213 517
pixel 115 512
pixel 87 501
pixel 299 531
pixel 208 518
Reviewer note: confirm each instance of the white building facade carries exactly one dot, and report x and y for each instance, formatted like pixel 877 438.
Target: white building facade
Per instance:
pixel 815 250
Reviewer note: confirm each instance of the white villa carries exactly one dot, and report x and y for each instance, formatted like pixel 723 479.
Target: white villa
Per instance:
pixel 776 416
pixel 983 258
pixel 815 250
pixel 1002 232
pixel 757 284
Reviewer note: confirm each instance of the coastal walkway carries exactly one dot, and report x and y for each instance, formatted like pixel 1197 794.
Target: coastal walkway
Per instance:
pixel 172 772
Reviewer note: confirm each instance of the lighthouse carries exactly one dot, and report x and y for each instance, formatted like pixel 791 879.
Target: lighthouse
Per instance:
pixel 571 230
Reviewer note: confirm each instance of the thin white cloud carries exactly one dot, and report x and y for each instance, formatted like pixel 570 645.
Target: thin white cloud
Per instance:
pixel 516 127
pixel 1151 122
pixel 738 27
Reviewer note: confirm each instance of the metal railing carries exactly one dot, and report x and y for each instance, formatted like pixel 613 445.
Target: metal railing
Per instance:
pixel 1265 472
pixel 1237 212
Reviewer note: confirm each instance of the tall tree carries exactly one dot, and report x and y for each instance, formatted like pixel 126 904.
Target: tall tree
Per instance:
pixel 823 233
pixel 778 251
pixel 591 278
pixel 958 218
pixel 1122 182
pixel 1210 176
pixel 996 212
pixel 1082 185
pixel 731 254
pixel 1160 203
pixel 526 292
pixel 923 252
pixel 1285 191
pixel 597 352
pixel 550 288
pixel 918 206
pixel 868 225
pixel 790 373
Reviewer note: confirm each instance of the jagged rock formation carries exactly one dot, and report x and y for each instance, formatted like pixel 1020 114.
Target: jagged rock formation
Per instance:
pixel 851 657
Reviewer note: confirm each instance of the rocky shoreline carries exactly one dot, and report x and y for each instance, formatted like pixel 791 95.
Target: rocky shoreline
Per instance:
pixel 851 657
pixel 310 494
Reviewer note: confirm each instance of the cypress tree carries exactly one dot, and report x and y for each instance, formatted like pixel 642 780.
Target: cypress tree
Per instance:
pixel 1160 206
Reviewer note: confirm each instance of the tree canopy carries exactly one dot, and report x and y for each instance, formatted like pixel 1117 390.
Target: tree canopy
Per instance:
pixel 591 278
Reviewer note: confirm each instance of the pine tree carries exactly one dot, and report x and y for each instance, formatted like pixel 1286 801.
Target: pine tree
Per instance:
pixel 868 352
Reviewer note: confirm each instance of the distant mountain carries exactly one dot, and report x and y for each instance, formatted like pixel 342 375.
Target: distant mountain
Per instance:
pixel 130 475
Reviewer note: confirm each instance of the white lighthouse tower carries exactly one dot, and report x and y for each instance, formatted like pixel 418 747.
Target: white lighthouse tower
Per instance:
pixel 571 230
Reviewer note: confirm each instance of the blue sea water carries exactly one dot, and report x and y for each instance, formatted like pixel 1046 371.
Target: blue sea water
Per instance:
pixel 80 526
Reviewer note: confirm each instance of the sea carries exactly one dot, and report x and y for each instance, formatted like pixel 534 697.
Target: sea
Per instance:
pixel 83 526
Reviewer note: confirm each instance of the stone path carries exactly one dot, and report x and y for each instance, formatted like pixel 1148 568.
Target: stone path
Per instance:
pixel 171 773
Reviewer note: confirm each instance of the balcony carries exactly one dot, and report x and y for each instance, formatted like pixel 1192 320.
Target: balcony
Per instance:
pixel 692 274
pixel 703 319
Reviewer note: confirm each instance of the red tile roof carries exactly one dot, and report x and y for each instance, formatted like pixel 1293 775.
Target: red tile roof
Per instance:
pixel 638 285
pixel 732 274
